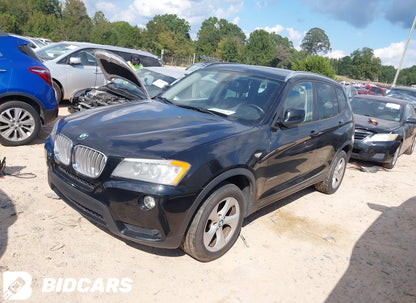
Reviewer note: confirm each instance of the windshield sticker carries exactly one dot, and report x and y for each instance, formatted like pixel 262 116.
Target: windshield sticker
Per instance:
pixel 160 83
pixel 393 105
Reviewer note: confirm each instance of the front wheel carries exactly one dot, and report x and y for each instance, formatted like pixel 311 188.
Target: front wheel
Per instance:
pixel 335 175
pixel 394 159
pixel 217 224
pixel 19 123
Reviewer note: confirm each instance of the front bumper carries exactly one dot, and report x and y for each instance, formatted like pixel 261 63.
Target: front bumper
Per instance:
pixel 115 205
pixel 379 152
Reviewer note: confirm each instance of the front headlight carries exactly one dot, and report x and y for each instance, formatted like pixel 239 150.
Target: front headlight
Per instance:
pixel 168 172
pixel 382 138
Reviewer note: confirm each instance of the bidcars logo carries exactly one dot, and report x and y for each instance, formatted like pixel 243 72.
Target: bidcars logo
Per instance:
pixel 16 285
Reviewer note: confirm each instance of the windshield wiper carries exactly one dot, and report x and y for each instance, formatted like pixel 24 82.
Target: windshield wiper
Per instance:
pixel 203 110
pixel 164 100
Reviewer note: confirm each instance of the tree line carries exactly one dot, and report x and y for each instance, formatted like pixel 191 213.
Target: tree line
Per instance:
pixel 216 38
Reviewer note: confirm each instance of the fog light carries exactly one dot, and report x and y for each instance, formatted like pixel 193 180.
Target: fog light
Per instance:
pixel 149 202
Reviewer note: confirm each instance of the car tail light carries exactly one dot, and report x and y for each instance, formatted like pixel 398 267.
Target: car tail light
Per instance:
pixel 43 73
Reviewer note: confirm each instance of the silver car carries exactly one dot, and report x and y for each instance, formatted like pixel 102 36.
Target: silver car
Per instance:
pixel 73 65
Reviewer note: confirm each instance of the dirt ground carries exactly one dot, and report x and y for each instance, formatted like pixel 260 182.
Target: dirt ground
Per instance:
pixel 358 245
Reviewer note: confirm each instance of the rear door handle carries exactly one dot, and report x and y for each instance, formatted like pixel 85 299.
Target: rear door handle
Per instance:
pixel 3 70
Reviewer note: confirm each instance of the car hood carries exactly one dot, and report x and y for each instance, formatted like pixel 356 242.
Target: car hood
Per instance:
pixel 113 66
pixel 150 129
pixel 374 124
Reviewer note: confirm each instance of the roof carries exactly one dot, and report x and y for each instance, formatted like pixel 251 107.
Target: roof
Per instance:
pixel 273 72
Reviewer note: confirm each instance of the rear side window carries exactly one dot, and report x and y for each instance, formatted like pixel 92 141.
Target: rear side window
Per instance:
pixel 342 101
pixel 27 50
pixel 327 101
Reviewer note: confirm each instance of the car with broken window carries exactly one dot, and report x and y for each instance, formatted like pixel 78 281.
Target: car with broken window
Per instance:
pixel 185 168
pixel 385 128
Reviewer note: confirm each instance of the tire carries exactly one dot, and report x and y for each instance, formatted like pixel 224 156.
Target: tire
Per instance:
pixel 19 123
pixel 217 224
pixel 394 159
pixel 411 148
pixel 335 175
pixel 58 92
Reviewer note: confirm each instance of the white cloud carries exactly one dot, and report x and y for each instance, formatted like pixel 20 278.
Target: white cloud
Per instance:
pixel 236 20
pixel 336 54
pixel 392 54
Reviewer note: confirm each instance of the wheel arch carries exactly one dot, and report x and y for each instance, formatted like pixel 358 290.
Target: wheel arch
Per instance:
pixel 36 104
pixel 241 177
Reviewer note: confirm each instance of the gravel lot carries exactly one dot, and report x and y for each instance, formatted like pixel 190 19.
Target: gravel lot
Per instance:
pixel 358 245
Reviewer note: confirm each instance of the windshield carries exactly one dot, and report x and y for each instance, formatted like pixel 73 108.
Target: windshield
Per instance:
pixel 376 109
pixel 235 95
pixel 153 81
pixel 55 50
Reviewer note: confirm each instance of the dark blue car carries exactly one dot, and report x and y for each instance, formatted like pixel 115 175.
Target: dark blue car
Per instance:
pixel 27 98
pixel 185 168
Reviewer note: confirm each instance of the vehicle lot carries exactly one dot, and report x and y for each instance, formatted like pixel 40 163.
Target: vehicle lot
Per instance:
pixel 358 245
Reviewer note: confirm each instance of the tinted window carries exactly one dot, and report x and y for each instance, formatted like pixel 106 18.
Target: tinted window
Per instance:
pixel 87 57
pixel 342 101
pixel 327 101
pixel 300 97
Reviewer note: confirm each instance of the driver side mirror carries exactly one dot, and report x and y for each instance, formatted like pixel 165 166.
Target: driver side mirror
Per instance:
pixel 74 60
pixel 293 117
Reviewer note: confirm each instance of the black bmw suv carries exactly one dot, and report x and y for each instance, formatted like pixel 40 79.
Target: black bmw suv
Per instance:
pixel 185 169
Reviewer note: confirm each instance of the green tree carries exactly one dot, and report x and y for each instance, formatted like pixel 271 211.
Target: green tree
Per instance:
pixel 315 64
pixel 212 31
pixel 76 24
pixel 364 65
pixel 387 74
pixel 8 23
pixel 102 31
pixel 127 35
pixel 316 42
pixel 260 49
pixel 48 7
pixel 41 25
pixel 230 49
pixel 170 33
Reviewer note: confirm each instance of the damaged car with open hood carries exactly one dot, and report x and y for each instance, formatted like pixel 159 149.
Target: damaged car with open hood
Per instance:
pixel 185 168
pixel 124 84
pixel 385 128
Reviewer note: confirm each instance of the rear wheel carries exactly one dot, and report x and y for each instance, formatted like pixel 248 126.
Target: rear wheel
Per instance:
pixel 58 92
pixel 335 175
pixel 19 123
pixel 217 224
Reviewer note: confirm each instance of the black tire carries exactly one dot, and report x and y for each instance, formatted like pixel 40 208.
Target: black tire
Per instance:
pixel 217 224
pixel 58 92
pixel 335 175
pixel 19 123
pixel 394 159
pixel 411 148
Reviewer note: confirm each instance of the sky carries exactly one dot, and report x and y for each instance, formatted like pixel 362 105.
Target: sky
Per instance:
pixel 382 25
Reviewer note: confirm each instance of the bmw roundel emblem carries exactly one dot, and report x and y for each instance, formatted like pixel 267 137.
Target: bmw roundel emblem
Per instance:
pixel 82 136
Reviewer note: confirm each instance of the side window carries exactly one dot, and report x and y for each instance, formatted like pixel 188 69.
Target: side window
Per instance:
pixel 87 57
pixel 409 112
pixel 342 101
pixel 300 97
pixel 327 101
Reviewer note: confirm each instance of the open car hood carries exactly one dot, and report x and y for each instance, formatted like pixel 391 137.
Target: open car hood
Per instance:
pixel 113 66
